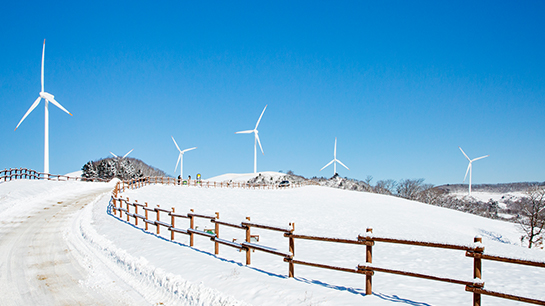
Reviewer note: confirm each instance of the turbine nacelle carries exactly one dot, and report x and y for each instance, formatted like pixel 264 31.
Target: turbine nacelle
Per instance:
pixel 47 96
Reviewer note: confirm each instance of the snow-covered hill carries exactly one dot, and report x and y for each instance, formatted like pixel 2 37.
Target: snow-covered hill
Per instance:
pixel 195 274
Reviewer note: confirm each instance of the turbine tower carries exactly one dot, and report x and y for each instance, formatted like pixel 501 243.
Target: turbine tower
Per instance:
pixel 256 139
pixel 335 160
pixel 181 158
pixel 469 167
pixel 48 98
pixel 117 157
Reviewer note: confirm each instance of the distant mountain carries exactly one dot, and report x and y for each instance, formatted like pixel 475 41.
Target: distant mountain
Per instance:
pixel 122 168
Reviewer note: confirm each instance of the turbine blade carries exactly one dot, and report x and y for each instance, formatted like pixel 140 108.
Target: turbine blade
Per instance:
pixel 335 150
pixel 480 158
pixel 176 144
pixel 260 117
pixel 245 132
pixel 127 153
pixel 342 164
pixel 32 107
pixel 327 165
pixel 113 154
pixel 467 171
pixel 179 158
pixel 464 153
pixel 257 137
pixel 57 104
pixel 43 55
pixel 188 150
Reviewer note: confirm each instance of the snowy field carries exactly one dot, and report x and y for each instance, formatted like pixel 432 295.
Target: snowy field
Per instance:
pixel 174 273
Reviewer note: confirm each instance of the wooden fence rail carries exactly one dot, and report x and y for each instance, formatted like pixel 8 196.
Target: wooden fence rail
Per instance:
pixel 474 250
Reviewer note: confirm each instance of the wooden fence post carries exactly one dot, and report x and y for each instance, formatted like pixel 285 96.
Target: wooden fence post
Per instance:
pixel 158 218
pixel 146 215
pixel 369 259
pixel 115 203
pixel 191 226
pixel 291 268
pixel 128 211
pixel 121 206
pixel 248 239
pixel 172 224
pixel 217 231
pixel 136 212
pixel 477 271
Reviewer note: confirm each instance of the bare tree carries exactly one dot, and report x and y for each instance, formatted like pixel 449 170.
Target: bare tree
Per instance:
pixel 385 187
pixel 531 209
pixel 367 181
pixel 430 194
pixel 409 189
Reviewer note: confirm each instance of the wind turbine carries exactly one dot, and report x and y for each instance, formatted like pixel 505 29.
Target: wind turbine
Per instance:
pixel 117 157
pixel 256 139
pixel 335 160
pixel 181 158
pixel 469 167
pixel 48 98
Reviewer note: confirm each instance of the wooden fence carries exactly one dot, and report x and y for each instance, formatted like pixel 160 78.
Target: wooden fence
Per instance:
pixel 154 180
pixel 23 173
pixel 475 251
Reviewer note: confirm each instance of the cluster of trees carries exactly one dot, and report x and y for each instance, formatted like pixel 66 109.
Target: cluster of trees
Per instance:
pixel 122 168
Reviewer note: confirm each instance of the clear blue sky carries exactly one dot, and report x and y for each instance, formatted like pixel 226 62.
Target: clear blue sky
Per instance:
pixel 401 84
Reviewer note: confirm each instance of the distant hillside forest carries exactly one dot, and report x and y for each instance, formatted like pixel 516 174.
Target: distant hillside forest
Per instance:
pixel 495 188
pixel 121 168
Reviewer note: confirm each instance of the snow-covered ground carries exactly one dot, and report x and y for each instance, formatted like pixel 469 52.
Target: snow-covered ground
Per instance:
pixel 174 273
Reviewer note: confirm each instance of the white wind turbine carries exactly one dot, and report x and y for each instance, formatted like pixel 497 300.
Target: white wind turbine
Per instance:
pixel 469 167
pixel 123 155
pixel 181 158
pixel 48 98
pixel 256 139
pixel 335 160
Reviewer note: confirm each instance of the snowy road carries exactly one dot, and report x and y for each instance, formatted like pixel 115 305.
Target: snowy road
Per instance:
pixel 39 266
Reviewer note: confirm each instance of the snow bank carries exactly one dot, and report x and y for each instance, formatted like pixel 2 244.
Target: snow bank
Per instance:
pixel 155 284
